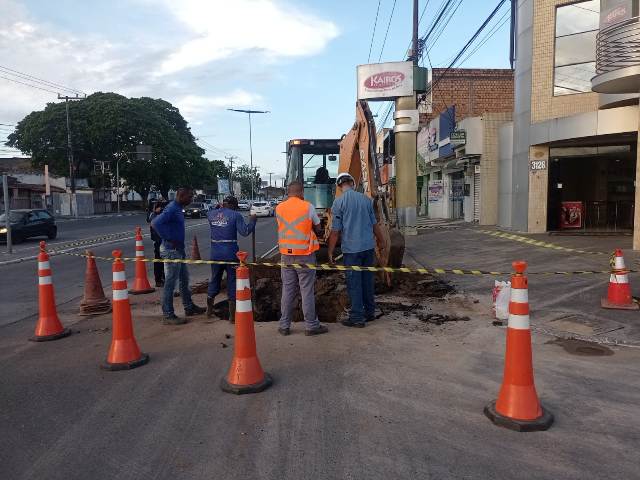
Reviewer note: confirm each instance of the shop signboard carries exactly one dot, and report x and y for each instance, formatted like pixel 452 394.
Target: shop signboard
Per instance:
pixel 571 215
pixel 615 11
pixel 381 81
pixel 436 191
pixel 458 138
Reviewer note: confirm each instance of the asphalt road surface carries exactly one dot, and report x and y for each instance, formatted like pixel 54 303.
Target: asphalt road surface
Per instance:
pixel 18 281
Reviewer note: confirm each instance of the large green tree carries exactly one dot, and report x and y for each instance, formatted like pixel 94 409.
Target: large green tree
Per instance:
pixel 245 176
pixel 108 127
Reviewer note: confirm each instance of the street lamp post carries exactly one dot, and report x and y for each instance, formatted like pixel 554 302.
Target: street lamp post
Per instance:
pixel 249 112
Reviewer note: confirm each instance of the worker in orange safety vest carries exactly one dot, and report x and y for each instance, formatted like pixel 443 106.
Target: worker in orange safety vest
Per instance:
pixel 298 227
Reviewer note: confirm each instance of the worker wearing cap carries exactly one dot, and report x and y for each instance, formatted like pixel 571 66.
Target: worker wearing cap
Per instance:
pixel 298 225
pixel 354 222
pixel 225 224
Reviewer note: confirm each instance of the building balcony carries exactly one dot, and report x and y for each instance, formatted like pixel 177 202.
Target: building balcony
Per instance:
pixel 618 58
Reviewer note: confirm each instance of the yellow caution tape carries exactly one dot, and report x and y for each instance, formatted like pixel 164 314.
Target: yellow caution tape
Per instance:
pixel 342 268
pixel 537 243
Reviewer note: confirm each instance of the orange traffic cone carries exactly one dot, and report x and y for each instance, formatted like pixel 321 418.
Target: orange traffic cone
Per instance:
pixel 48 326
pixel 518 407
pixel 141 283
pixel 246 374
pixel 124 352
pixel 195 249
pixel 619 292
pixel 94 302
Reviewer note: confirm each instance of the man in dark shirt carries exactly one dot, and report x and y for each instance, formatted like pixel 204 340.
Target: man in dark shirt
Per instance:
pixel 170 226
pixel 158 268
pixel 225 224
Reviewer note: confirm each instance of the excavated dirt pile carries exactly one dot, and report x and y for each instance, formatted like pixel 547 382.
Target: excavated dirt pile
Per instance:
pixel 331 294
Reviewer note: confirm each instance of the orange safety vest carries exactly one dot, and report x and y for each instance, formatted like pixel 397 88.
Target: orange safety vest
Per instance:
pixel 295 229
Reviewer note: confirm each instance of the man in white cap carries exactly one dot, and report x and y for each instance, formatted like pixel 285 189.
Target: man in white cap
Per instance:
pixel 354 222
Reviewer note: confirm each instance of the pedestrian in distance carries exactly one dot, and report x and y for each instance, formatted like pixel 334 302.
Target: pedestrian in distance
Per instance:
pixel 170 226
pixel 158 268
pixel 298 227
pixel 225 224
pixel 354 223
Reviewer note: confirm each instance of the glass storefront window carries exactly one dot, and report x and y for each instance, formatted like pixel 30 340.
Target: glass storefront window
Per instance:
pixel 575 47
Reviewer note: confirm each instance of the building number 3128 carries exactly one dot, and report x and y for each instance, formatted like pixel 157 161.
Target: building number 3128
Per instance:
pixel 539 165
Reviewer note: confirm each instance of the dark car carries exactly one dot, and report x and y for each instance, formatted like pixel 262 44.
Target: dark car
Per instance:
pixel 196 210
pixel 27 224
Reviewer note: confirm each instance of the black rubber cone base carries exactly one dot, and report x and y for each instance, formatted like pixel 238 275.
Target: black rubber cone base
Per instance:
pixel 242 389
pixel 142 292
pixel 114 367
pixel 47 338
pixel 539 424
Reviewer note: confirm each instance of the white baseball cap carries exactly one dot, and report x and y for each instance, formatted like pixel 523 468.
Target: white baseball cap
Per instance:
pixel 344 177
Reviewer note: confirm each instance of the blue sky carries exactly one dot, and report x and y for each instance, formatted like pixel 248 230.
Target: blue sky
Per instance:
pixel 294 58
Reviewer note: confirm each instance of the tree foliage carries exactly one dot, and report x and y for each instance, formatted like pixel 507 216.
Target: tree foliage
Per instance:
pixel 107 127
pixel 244 175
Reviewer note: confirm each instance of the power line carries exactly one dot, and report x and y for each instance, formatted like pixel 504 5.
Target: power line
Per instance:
pixel 499 24
pixel 449 16
pixel 28 84
pixel 373 34
pixel 384 42
pixel 34 79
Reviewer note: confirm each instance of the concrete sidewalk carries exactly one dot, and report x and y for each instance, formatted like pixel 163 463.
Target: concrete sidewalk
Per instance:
pixel 563 305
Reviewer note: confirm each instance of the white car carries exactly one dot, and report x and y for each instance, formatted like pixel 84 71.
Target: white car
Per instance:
pixel 261 209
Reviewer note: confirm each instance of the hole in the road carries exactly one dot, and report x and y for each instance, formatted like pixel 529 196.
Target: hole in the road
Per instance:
pixel 582 347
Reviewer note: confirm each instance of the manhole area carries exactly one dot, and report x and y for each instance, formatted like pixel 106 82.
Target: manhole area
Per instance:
pixel 582 347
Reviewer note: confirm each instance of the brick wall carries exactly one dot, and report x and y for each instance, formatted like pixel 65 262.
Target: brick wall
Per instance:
pixel 472 91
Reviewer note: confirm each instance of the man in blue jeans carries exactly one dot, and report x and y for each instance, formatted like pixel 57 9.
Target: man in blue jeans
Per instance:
pixel 354 221
pixel 225 224
pixel 170 226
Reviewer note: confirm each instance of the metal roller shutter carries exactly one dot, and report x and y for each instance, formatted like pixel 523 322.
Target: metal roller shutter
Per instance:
pixel 476 194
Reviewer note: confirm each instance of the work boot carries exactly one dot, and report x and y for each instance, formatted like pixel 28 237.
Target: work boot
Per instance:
pixel 194 310
pixel 232 311
pixel 173 320
pixel 284 331
pixel 210 305
pixel 319 330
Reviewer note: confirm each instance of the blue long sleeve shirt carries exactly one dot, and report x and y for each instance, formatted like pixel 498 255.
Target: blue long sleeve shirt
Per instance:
pixel 170 226
pixel 225 225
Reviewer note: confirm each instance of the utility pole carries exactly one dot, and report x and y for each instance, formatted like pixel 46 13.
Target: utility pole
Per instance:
pixel 270 173
pixel 231 158
pixel 7 211
pixel 406 128
pixel 72 167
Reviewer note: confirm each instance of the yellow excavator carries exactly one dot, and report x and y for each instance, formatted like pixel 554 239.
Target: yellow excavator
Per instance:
pixel 315 164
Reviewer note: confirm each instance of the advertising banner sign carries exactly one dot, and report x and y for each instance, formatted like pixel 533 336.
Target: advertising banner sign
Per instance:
pixel 571 215
pixel 614 11
pixel 382 81
pixel 436 191
pixel 458 138
pixel 223 186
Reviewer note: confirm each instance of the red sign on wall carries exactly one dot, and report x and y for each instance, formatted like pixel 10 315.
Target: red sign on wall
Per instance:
pixel 571 215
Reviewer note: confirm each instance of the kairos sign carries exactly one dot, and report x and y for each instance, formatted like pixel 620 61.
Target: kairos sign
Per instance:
pixel 385 80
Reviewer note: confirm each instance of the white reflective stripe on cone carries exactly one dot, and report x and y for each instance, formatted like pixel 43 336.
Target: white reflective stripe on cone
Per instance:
pixel 139 253
pixel 120 295
pixel 620 278
pixel 119 276
pixel 44 265
pixel 518 322
pixel 242 283
pixel 44 280
pixel 138 243
pixel 619 263
pixel 520 295
pixel 243 306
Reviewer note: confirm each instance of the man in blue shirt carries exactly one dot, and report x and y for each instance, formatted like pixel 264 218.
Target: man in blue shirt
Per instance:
pixel 170 226
pixel 354 221
pixel 225 224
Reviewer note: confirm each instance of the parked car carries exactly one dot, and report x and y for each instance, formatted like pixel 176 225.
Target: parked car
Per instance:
pixel 244 205
pixel 195 210
pixel 28 223
pixel 261 209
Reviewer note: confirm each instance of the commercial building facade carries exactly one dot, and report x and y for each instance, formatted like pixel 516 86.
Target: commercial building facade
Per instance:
pixel 573 152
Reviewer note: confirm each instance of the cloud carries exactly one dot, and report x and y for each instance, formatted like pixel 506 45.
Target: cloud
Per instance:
pixel 191 106
pixel 222 29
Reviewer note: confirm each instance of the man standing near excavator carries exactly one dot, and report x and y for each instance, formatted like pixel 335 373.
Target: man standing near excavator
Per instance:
pixel 298 225
pixel 354 220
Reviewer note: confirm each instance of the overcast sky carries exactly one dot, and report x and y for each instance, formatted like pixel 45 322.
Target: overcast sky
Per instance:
pixel 294 58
